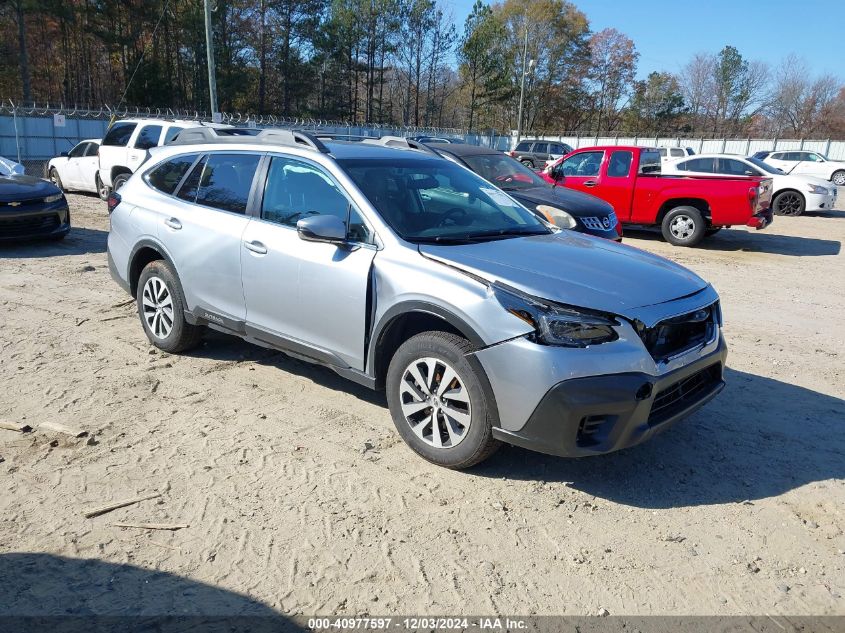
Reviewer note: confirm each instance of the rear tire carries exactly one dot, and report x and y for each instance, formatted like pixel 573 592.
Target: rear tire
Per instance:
pixel 102 190
pixel 437 401
pixel 838 178
pixel 527 163
pixel 789 203
pixel 683 226
pixel 56 179
pixel 161 308
pixel 119 181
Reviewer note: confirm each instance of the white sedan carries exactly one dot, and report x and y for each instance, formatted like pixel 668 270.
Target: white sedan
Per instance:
pixel 806 163
pixel 791 194
pixel 78 168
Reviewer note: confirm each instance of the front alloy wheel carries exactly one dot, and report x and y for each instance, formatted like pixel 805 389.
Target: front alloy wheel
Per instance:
pixel 789 203
pixel 839 178
pixel 435 403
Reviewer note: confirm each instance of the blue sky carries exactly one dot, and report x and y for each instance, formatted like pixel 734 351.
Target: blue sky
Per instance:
pixel 667 33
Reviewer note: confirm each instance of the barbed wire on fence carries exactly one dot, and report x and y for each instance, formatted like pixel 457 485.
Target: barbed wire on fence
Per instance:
pixel 106 111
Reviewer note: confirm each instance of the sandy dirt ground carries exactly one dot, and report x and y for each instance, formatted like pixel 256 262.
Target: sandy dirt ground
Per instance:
pixel 301 498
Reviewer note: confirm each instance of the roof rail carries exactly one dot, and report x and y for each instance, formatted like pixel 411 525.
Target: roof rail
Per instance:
pixel 270 136
pixel 400 142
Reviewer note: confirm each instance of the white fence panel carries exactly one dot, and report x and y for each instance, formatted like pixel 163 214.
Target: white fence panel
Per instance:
pixel 785 143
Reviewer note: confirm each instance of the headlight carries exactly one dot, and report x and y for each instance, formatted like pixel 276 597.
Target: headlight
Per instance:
pixel 54 198
pixel 817 189
pixel 556 324
pixel 556 216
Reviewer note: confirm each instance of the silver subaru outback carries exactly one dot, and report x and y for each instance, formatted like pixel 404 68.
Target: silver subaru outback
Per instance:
pixel 406 272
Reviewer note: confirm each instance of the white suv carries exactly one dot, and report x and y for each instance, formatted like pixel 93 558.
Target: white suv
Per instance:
pixel 125 147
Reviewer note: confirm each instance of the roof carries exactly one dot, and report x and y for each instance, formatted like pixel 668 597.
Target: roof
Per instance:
pixel 463 149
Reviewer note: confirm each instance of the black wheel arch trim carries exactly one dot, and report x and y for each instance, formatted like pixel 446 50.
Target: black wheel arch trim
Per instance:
pixel 147 243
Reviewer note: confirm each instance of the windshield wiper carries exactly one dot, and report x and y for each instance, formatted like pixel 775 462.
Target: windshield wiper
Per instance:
pixel 485 235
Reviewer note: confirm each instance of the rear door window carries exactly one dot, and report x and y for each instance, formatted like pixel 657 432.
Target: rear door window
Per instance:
pixel 704 165
pixel 92 149
pixel 523 147
pixel 119 133
pixel 148 137
pixel 167 176
pixel 541 148
pixel 226 180
pixel 171 133
pixel 620 164
pixel 650 162
pixel 78 151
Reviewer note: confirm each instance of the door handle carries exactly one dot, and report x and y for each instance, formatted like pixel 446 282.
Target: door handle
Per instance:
pixel 173 223
pixel 256 247
pixel 590 183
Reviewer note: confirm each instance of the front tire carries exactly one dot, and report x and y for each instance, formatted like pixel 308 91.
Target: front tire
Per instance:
pixel 103 190
pixel 683 226
pixel 437 400
pixel 161 308
pixel 56 179
pixel 527 163
pixel 789 203
pixel 838 178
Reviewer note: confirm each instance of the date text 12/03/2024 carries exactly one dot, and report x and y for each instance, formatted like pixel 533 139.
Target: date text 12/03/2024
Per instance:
pixel 416 623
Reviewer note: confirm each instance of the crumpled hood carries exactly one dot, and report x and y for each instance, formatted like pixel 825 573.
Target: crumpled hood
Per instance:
pixel 574 269
pixel 573 202
pixel 25 187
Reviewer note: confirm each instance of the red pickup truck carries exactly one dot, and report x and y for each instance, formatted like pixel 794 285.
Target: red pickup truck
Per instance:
pixel 687 209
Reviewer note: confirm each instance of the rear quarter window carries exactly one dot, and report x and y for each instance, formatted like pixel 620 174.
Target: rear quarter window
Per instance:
pixel 168 174
pixel 650 162
pixel 118 134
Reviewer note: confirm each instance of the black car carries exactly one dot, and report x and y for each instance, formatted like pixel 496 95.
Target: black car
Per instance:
pixel 32 208
pixel 564 207
pixel 436 139
pixel 761 155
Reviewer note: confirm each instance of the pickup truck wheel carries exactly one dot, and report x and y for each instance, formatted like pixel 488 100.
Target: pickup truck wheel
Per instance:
pixel 788 203
pixel 161 307
pixel 527 163
pixel 838 178
pixel 120 180
pixel 683 226
pixel 437 401
pixel 102 189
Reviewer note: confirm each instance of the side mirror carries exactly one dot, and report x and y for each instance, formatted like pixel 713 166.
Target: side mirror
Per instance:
pixel 557 173
pixel 322 228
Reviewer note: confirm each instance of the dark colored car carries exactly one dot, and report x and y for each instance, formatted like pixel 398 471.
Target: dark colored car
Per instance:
pixel 32 208
pixel 535 153
pixel 564 207
pixel 761 155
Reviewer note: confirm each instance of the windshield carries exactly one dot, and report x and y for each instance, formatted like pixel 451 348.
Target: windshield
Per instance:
pixel 504 172
pixel 765 166
pixel 440 202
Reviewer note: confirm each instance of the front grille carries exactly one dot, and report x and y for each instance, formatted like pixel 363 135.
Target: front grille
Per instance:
pixel 17 204
pixel 682 394
pixel 28 225
pixel 599 224
pixel 674 336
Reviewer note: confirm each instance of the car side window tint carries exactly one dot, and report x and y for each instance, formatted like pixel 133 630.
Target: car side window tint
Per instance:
pixel 296 190
pixel 733 167
pixel 541 148
pixel 704 165
pixel 676 152
pixel 167 175
pixel 649 162
pixel 620 164
pixel 188 190
pixel 92 150
pixel 523 147
pixel 584 164
pixel 171 133
pixel 119 133
pixel 662 151
pixel 78 151
pixel 148 137
pixel 226 181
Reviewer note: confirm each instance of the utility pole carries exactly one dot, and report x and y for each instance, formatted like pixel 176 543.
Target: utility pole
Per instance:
pixel 522 84
pixel 209 49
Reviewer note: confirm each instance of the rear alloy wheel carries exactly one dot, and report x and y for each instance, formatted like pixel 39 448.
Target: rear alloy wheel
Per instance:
pixel 527 163
pixel 437 402
pixel 684 226
pixel 56 179
pixel 838 178
pixel 788 203
pixel 102 190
